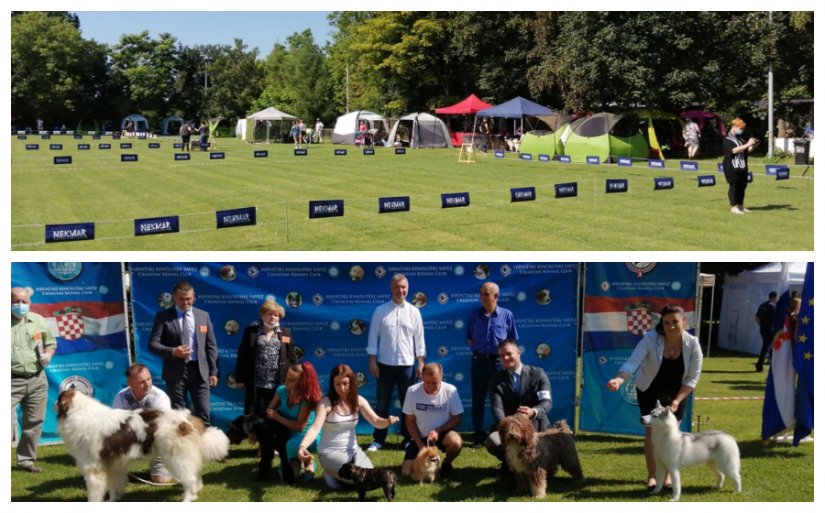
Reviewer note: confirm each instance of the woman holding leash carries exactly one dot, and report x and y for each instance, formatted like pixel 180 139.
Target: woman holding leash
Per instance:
pixel 666 365
pixel 293 409
pixel 338 413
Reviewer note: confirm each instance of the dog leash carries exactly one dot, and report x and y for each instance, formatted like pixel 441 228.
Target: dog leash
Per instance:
pixel 150 482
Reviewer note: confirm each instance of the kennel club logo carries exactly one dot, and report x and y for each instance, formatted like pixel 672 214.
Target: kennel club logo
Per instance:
pixel 639 320
pixel 640 268
pixel 69 323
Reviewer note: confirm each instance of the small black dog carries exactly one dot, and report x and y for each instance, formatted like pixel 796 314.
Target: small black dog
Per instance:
pixel 366 479
pixel 270 437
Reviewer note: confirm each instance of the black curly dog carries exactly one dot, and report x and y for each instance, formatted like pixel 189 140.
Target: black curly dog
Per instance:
pixel 270 435
pixel 366 479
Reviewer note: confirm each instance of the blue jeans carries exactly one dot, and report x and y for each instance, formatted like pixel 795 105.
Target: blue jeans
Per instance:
pixel 389 376
pixel 482 368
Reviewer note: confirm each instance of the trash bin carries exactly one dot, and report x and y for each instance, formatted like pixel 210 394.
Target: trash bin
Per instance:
pixel 801 151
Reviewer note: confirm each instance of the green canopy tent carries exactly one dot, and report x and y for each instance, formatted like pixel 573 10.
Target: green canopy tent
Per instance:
pixel 605 135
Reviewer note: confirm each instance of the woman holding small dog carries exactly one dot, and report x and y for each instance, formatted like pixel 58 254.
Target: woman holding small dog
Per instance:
pixel 666 364
pixel 293 409
pixel 338 413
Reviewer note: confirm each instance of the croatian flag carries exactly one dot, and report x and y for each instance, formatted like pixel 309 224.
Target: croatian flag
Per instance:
pixel 82 326
pixel 778 407
pixel 804 360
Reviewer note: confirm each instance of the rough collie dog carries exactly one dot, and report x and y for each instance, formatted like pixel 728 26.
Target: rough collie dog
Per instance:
pixel 674 449
pixel 533 457
pixel 426 465
pixel 103 441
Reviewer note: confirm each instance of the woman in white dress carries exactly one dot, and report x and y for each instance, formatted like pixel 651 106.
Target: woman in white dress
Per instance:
pixel 338 413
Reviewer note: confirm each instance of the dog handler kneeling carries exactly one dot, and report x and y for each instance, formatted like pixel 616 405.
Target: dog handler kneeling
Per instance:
pixel 666 363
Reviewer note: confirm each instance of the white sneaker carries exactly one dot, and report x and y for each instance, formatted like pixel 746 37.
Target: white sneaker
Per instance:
pixel 735 210
pixel 745 210
pixel 375 446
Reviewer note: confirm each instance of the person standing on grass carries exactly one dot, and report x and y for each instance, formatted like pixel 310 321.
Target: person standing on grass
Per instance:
pixel 735 164
pixel 185 135
pixel 396 350
pixel 691 135
pixel 487 327
pixel 764 318
pixel 184 337
pixel 666 363
pixel 32 348
pixel 319 131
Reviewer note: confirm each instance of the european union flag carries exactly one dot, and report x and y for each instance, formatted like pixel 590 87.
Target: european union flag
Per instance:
pixel 804 360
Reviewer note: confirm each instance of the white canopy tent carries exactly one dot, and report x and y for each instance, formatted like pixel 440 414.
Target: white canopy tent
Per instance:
pixel 262 122
pixel 741 296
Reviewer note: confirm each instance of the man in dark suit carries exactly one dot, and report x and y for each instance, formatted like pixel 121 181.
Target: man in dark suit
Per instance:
pixel 184 337
pixel 518 389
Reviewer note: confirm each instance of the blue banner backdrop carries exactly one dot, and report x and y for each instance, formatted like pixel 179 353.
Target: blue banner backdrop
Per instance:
pixel 83 306
pixel 329 306
pixel 622 301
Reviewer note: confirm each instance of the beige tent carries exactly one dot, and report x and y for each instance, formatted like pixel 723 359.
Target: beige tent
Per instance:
pixel 266 124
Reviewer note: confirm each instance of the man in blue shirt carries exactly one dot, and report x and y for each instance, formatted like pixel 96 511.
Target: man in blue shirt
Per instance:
pixel 487 327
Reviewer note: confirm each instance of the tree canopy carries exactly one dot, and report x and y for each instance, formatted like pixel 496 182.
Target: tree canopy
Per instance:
pixel 395 62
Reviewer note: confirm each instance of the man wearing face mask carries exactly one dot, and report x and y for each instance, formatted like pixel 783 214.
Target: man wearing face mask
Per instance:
pixel 184 337
pixel 32 348
pixel 735 165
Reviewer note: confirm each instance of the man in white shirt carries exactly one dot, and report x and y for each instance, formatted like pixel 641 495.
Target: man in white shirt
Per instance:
pixel 140 394
pixel 396 349
pixel 319 131
pixel 433 410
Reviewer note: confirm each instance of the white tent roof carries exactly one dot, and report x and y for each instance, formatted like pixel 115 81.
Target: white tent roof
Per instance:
pixel 742 295
pixel 271 114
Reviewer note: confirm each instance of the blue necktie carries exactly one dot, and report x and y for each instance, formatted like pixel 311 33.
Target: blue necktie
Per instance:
pixel 517 382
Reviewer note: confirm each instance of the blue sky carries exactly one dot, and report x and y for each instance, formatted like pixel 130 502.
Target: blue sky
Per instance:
pixel 257 29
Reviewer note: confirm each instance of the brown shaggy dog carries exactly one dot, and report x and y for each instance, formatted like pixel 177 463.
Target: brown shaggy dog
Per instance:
pixel 532 456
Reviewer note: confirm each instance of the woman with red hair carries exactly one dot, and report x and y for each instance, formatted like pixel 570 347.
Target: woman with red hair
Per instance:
pixel 293 409
pixel 735 164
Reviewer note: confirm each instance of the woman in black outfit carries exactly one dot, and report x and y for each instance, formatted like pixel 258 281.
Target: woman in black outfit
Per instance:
pixel 736 152
pixel 264 356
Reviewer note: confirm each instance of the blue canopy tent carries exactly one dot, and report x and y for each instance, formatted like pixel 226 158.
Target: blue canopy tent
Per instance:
pixel 517 108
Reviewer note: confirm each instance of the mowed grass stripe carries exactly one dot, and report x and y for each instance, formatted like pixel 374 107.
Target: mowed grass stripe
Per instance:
pixel 98 187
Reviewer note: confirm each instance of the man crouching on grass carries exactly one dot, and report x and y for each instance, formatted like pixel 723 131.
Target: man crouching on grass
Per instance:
pixel 433 410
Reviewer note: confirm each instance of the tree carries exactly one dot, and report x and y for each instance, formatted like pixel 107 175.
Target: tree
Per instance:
pixel 55 74
pixel 234 79
pixel 143 71
pixel 296 78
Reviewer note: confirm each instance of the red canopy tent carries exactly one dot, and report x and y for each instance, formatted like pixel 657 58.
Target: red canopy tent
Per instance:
pixel 468 107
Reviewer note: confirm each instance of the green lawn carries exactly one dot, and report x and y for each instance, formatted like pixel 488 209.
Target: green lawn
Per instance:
pixel 98 188
pixel 613 465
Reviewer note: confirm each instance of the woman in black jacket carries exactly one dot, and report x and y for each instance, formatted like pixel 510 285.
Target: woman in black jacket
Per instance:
pixel 264 356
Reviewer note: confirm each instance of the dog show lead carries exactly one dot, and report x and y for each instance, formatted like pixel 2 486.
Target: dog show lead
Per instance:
pixel 666 363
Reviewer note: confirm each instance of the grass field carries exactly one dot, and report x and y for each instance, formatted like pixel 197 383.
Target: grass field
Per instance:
pixel 613 465
pixel 98 188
